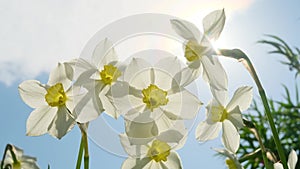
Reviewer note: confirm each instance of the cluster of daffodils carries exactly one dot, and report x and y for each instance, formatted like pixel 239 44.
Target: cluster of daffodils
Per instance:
pixel 151 97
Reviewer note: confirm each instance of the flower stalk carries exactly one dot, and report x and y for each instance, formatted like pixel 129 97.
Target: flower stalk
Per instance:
pixel 242 57
pixel 83 149
pixel 253 129
pixel 80 153
pixel 86 151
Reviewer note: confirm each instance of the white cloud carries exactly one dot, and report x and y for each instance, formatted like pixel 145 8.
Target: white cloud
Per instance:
pixel 35 35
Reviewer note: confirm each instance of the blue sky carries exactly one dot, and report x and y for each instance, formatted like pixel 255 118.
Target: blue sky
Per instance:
pixel 35 35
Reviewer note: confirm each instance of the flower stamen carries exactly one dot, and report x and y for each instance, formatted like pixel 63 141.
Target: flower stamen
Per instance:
pixel 110 74
pixel 230 163
pixel 193 51
pixel 56 95
pixel 218 114
pixel 159 151
pixel 154 97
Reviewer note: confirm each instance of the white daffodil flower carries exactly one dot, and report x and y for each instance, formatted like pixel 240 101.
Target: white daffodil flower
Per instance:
pixel 292 161
pixel 142 133
pixel 150 93
pixel 199 52
pixel 53 103
pixel 227 117
pixel 97 77
pixel 18 160
pixel 158 153
pixel 232 161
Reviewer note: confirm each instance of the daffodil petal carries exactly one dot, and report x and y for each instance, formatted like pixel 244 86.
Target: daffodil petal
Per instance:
pixel 164 123
pixel 136 163
pixel 292 161
pixel 153 165
pixel 217 77
pixel 126 100
pixel 18 151
pixel 138 73
pixel 133 150
pixel 242 97
pixel 213 24
pixel 171 136
pixel 205 131
pixel 62 123
pixel 162 79
pixel 209 110
pixel 278 165
pixel 220 96
pixel 90 111
pixel 230 136
pixel 107 103
pixel 171 65
pixel 188 74
pixel 88 106
pixel 141 133
pixel 231 156
pixel 129 106
pixel 173 162
pixel 183 105
pixel 235 116
pixel 85 77
pixel 104 53
pixel 186 29
pixel 62 73
pixel 39 120
pixel 33 93
pixel 81 65
pixel 176 135
pixel 29 162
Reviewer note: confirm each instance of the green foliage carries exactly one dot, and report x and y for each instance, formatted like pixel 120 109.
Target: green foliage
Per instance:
pixel 284 49
pixel 286 114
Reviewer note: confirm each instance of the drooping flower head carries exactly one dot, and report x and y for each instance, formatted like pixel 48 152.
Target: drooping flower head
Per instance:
pixel 199 51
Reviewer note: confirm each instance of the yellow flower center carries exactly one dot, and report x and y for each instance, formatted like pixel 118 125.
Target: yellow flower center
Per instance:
pixel 56 95
pixel 17 165
pixel 193 51
pixel 230 163
pixel 159 151
pixel 218 114
pixel 110 74
pixel 154 97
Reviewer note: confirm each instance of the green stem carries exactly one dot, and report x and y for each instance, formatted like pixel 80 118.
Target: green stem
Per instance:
pixel 250 156
pixel 86 151
pixel 263 149
pixel 251 126
pixel 80 153
pixel 241 56
pixel 85 145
